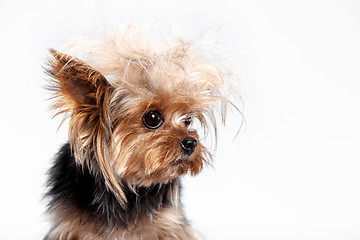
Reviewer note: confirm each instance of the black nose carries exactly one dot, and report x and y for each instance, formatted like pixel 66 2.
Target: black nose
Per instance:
pixel 188 145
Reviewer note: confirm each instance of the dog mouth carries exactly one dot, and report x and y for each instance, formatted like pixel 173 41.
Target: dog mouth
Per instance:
pixel 183 159
pixel 178 161
pixel 186 163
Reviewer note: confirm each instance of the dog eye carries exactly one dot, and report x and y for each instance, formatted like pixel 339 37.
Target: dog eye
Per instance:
pixel 153 119
pixel 187 121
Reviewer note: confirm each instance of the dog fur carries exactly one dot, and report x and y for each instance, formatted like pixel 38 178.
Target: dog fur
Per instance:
pixel 132 104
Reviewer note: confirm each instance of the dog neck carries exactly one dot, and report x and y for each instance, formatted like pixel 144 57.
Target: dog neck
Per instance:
pixel 78 191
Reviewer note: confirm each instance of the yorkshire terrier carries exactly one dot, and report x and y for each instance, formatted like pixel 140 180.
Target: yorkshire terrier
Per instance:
pixel 133 107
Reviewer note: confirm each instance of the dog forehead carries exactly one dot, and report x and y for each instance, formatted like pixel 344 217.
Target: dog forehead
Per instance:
pixel 171 102
pixel 164 90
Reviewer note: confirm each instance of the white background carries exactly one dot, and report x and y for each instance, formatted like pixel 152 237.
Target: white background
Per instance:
pixel 294 170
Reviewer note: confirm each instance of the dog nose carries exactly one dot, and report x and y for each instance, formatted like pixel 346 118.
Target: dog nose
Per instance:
pixel 188 144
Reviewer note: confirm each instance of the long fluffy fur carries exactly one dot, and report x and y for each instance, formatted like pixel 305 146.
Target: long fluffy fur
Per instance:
pixel 82 191
pixel 115 173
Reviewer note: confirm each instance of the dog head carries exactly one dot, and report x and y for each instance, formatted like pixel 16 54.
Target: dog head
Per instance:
pixel 134 108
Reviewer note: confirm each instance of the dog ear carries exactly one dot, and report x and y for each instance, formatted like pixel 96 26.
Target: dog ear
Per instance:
pixel 74 81
pixel 84 93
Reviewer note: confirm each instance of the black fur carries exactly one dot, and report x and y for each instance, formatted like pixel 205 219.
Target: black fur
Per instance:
pixel 85 193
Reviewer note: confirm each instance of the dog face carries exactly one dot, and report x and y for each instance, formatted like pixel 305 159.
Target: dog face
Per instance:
pixel 133 109
pixel 153 138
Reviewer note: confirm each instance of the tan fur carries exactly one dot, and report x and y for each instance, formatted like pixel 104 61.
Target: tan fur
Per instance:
pixel 120 78
pixel 167 224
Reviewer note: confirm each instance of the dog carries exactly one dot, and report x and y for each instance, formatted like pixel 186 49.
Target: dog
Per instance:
pixel 134 106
